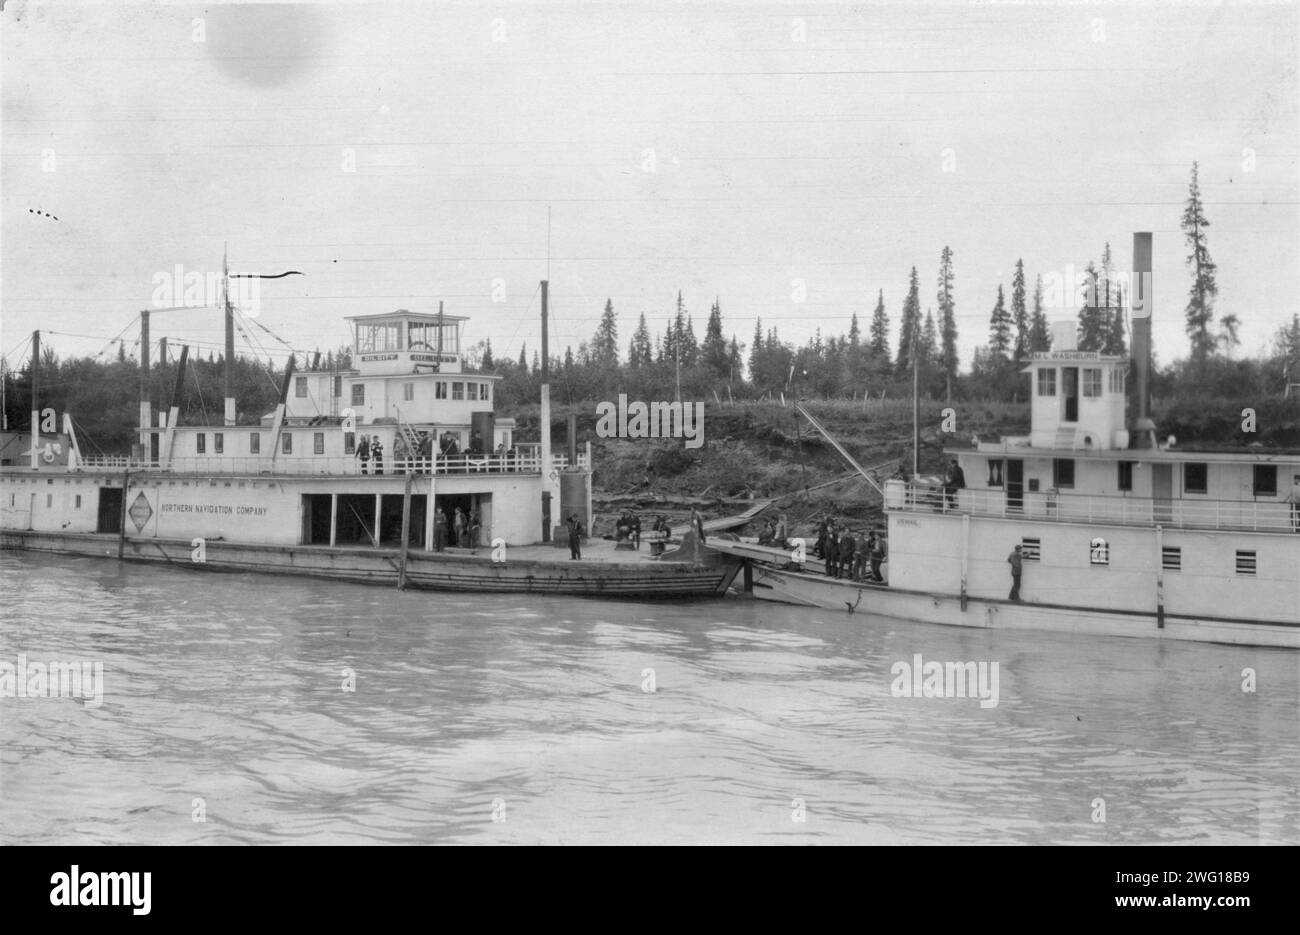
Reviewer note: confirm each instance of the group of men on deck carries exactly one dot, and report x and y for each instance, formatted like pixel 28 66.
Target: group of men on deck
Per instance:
pixel 463 532
pixel 846 555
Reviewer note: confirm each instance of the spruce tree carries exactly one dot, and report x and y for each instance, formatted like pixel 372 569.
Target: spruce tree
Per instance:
pixel 1200 303
pixel 1040 336
pixel 880 332
pixel 947 322
pixel 1019 315
pixel 909 332
pixel 1000 330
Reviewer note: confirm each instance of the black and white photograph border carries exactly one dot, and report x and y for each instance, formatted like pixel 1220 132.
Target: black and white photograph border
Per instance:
pixel 365 478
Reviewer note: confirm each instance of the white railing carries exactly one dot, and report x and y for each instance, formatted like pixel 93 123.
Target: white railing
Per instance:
pixel 520 463
pixel 1053 506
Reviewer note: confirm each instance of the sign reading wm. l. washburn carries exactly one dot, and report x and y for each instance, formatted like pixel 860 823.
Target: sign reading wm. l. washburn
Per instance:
pixel 651 420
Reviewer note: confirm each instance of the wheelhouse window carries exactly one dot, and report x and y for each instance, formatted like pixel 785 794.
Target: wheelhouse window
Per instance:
pixel 382 336
pixel 338 387
pixel 1125 479
pixel 1117 381
pixel 219 442
pixel 318 443
pixel 1092 381
pixel 995 473
pixel 440 390
pixel 254 443
pixel 1195 477
pixel 1265 481
pixel 1062 472
pixel 457 390
pixel 483 391
pixel 358 394
pixel 1046 381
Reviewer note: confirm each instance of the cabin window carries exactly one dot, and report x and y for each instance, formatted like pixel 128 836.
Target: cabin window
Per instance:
pixel 995 473
pixel 483 391
pixel 255 443
pixel 1062 472
pixel 338 387
pixel 1117 381
pixel 1171 558
pixel 1092 381
pixel 49 499
pixel 1125 479
pixel 201 443
pixel 286 443
pixel 300 387
pixel 1195 477
pixel 1031 549
pixel 318 443
pixel 219 442
pixel 1246 561
pixel 349 443
pixel 78 501
pixel 358 394
pixel 1046 381
pixel 1098 552
pixel 1265 484
pixel 408 392
pixel 458 391
pixel 440 390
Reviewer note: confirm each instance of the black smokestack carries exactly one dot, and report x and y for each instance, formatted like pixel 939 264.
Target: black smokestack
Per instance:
pixel 1140 297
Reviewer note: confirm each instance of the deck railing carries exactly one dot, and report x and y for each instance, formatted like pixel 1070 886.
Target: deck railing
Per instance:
pixel 522 463
pixel 1054 506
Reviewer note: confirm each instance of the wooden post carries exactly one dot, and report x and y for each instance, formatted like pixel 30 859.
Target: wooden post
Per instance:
pixel 1160 578
pixel 965 556
pixel 406 532
pixel 379 516
pixel 334 519
pixel 121 530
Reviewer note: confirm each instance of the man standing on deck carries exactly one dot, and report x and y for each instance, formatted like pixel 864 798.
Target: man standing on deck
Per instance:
pixel 697 523
pixel 377 452
pixel 439 530
pixel 848 550
pixel 1017 565
pixel 953 482
pixel 363 453
pixel 575 537
pixel 877 556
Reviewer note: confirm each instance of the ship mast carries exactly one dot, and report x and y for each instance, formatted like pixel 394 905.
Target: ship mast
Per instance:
pixel 230 337
pixel 546 419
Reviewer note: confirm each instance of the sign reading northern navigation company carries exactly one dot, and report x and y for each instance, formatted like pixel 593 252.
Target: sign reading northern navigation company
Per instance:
pixel 220 508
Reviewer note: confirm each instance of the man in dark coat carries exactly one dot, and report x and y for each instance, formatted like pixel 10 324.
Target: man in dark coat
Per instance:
pixel 575 536
pixel 848 549
pixel 954 481
pixel 1017 566
pixel 363 453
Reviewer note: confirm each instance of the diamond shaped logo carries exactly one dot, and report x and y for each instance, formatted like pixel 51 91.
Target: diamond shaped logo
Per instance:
pixel 140 512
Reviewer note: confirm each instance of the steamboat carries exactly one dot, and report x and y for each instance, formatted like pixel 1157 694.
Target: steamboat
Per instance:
pixel 395 471
pixel 1119 533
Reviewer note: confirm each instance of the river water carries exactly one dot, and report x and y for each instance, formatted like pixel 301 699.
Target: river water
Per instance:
pixel 509 720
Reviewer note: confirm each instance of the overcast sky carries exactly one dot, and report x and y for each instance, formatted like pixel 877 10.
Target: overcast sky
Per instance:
pixel 399 154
